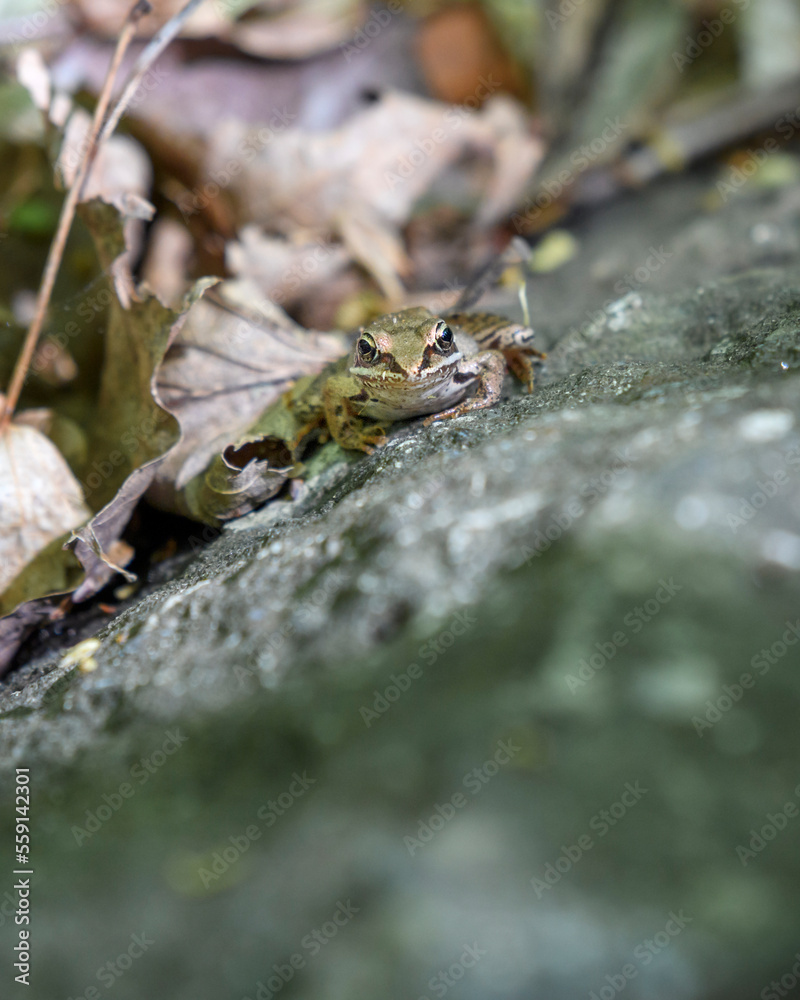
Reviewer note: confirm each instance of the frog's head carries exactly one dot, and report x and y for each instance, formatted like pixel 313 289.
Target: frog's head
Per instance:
pixel 412 347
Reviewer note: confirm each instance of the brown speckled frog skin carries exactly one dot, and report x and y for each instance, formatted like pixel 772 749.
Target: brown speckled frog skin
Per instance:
pixel 410 364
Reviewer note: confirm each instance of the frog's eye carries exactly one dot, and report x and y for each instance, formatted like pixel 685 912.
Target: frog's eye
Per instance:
pixel 444 338
pixel 366 349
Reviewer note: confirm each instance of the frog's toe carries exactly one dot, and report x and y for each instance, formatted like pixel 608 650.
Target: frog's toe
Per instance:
pixel 375 439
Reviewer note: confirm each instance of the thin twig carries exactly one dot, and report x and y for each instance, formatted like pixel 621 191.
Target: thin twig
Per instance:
pixel 146 59
pixel 516 252
pixel 65 220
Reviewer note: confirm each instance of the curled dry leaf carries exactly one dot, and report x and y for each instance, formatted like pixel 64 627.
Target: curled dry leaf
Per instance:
pixel 232 359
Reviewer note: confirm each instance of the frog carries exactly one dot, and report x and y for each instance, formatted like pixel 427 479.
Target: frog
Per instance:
pixel 412 363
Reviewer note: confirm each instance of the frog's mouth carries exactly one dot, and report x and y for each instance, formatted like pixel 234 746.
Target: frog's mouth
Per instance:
pixel 427 376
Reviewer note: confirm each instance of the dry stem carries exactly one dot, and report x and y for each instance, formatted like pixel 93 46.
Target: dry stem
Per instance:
pixel 141 8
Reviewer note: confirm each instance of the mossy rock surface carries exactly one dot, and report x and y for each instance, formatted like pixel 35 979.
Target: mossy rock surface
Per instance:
pixel 472 709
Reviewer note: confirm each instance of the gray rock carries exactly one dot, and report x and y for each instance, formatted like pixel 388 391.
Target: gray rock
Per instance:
pixel 469 713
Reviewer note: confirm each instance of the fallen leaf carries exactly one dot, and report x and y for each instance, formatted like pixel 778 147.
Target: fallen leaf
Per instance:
pixel 40 499
pixel 363 180
pixel 457 46
pixel 34 75
pixel 166 266
pixel 304 29
pixel 131 435
pixel 121 176
pixel 283 271
pixel 232 358
pixel 14 627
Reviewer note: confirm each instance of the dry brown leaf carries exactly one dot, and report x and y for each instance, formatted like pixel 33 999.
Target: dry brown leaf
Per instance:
pixel 222 371
pixel 120 176
pixel 293 29
pixel 364 179
pixel 306 28
pixel 40 499
pixel 166 266
pixel 456 46
pixel 187 97
pixel 28 29
pixel 386 156
pixel 120 168
pixel 282 270
pixel 34 75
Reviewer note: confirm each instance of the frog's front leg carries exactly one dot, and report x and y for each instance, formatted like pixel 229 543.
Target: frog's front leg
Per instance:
pixel 304 403
pixel 344 401
pixel 489 368
pixel 497 333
